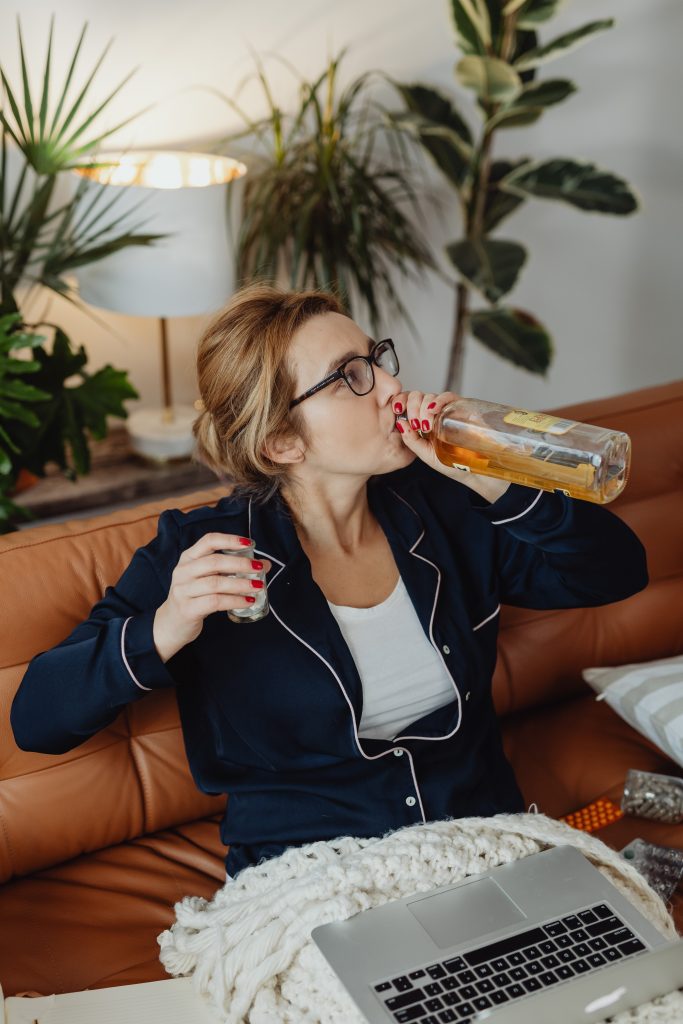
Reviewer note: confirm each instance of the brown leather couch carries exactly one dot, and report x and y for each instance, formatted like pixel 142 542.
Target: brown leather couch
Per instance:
pixel 96 845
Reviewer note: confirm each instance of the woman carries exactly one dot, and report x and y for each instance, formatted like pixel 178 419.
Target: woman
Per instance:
pixel 362 701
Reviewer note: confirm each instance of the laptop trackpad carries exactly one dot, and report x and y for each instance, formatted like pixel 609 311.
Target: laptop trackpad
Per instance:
pixel 465 912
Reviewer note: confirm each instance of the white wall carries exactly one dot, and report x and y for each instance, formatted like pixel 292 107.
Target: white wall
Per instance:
pixel 608 288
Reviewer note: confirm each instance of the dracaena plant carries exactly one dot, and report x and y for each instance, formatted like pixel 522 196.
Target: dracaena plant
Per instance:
pixel 320 203
pixel 501 55
pixel 42 238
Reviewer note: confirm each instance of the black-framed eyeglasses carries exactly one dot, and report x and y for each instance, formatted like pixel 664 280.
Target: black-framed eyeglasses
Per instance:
pixel 358 372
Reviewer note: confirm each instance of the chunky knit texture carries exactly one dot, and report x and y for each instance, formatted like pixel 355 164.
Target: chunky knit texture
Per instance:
pixel 249 952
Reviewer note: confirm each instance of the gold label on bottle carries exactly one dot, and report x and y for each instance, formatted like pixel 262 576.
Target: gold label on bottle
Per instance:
pixel 539 421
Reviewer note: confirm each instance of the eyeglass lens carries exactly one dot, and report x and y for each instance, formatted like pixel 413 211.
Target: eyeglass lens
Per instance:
pixel 358 372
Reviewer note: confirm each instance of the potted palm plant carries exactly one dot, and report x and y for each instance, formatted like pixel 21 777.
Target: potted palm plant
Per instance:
pixel 320 204
pixel 41 241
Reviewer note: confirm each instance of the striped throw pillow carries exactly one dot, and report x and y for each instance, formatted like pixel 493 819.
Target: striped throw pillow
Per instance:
pixel 649 696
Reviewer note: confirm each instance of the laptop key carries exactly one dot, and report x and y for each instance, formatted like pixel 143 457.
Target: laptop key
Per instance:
pixel 515 991
pixel 433 989
pixel 516 958
pixel 446 1016
pixel 533 967
pixel 580 935
pixel 430 1020
pixel 580 966
pixel 501 979
pixel 484 971
pixel 582 949
pixel 434 1004
pixel 468 992
pixel 449 983
pixel 401 984
pixel 455 964
pixel 532 984
pixel 549 961
pixel 566 956
pixel 571 921
pixel 412 1013
pixel 500 964
pixel 608 924
pixel 612 953
pixel 532 953
pixel 564 971
pixel 597 944
pixel 619 936
pixel 451 998
pixel 435 971
pixel 467 977
pixel 596 959
pixel 498 997
pixel 466 1010
pixel 563 940
pixel 555 928
pixel 587 916
pixel 383 986
pixel 602 910
pixel 632 946
pixel 547 947
pixel 405 999
pixel 417 974
pixel 481 1003
pixel 517 973
pixel 547 978
pixel 485 985
pixel 504 946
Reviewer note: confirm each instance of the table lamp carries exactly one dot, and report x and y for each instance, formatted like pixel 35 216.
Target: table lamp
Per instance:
pixel 190 273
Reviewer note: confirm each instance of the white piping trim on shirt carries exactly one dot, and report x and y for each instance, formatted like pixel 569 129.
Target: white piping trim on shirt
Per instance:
pixel 408 736
pixel 484 621
pixel 510 519
pixel 125 659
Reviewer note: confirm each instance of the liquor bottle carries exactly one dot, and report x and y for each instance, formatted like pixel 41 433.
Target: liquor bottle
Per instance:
pixel 533 449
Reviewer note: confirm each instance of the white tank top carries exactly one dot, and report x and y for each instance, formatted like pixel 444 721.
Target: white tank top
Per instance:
pixel 402 675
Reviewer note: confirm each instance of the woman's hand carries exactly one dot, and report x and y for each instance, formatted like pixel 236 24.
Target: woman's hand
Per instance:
pixel 201 585
pixel 415 412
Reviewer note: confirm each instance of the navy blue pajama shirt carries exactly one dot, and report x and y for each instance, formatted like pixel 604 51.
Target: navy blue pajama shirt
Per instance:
pixel 270 710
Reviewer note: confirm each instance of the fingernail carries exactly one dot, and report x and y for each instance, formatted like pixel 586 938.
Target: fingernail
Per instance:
pixel 415 424
pixel 425 424
pixel 245 540
pixel 398 406
pixel 432 405
pixel 399 427
pixel 257 565
pixel 251 600
pixel 257 584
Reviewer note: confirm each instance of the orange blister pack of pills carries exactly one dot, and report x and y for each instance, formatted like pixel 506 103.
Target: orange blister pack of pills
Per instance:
pixel 595 815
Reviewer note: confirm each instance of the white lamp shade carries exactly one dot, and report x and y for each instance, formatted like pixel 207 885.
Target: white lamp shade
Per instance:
pixel 191 272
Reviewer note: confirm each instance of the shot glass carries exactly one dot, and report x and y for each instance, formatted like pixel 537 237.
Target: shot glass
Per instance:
pixel 260 608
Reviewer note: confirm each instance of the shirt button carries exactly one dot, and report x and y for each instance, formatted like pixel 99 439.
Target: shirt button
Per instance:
pixel 446 649
pixel 467 695
pixel 398 752
pixel 410 800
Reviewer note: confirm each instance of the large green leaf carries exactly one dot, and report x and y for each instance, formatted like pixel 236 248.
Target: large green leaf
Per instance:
pixel 498 205
pixel 434 121
pixel 515 335
pixel 578 183
pixel 472 26
pixel 534 12
pixel 491 265
pixel 531 101
pixel 493 80
pixel 561 46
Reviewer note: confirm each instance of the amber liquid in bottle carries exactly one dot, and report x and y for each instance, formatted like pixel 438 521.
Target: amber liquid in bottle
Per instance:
pixel 533 449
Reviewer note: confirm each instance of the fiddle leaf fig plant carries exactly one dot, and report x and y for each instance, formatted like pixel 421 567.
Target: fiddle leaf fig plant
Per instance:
pixel 42 238
pixel 501 56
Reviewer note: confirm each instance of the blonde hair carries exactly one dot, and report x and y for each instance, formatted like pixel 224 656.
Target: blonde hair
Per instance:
pixel 246 386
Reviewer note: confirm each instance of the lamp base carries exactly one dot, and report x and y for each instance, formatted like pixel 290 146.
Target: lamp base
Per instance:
pixel 155 438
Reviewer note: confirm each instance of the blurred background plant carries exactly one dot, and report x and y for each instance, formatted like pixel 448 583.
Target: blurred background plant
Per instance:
pixel 501 57
pixel 41 240
pixel 320 205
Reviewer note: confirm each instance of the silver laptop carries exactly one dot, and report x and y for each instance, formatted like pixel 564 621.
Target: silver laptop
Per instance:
pixel 546 937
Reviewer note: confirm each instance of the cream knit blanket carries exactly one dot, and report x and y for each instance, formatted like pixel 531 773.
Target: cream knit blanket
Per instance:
pixel 249 952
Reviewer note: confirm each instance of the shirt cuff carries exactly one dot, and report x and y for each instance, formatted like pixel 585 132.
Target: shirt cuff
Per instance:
pixel 140 656
pixel 515 503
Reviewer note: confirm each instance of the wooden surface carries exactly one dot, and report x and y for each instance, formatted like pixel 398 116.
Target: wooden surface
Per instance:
pixel 117 475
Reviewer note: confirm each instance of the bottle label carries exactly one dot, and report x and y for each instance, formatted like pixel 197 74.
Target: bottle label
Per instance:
pixel 539 421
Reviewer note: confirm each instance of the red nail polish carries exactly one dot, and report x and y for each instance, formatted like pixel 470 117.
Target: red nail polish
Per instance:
pixel 251 600
pixel 432 405
pixel 415 424
pixel 257 565
pixel 399 427
pixel 257 584
pixel 245 540
pixel 398 406
pixel 425 424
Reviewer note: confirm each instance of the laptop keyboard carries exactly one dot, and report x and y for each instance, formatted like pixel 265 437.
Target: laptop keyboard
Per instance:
pixel 457 988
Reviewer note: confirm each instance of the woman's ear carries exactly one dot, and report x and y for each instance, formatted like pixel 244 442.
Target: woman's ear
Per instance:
pixel 284 450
